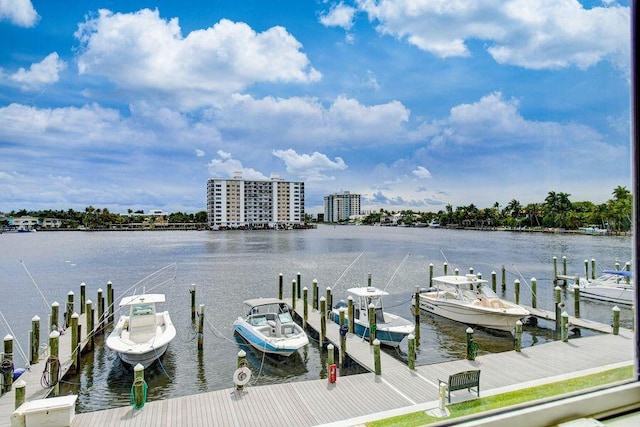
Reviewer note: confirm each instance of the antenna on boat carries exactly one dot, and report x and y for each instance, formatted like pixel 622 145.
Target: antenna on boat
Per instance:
pixel 347 269
pixel 396 272
pixel 46 303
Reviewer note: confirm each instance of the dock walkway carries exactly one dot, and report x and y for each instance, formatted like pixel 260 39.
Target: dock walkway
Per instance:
pixel 33 376
pixel 358 348
pixel 396 391
pixel 574 321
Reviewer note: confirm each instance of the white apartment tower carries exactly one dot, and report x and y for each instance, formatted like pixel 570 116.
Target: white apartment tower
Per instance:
pixel 239 203
pixel 339 207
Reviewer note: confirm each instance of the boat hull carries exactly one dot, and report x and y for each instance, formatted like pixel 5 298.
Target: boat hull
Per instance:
pixel 499 319
pixel 388 335
pixel 144 353
pixel 622 296
pixel 259 341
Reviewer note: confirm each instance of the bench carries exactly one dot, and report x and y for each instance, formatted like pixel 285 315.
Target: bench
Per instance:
pixel 462 380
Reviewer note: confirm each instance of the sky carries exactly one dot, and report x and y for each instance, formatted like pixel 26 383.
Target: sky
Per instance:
pixel 413 104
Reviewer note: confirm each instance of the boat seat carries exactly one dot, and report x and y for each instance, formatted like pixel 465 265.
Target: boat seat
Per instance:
pixel 288 330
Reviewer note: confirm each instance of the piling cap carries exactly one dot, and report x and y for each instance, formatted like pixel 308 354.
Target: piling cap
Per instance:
pixel 54 334
pixel 469 330
pixel 55 304
pixel 518 323
pixel 99 290
pixel 615 308
pixel 75 315
pixel 564 314
pixel 376 342
pixel 372 305
pixel 328 288
pixel 242 353
pixel 330 347
pixel 8 337
pixel 411 337
pixel 305 289
pixel 350 298
pixel 88 301
pixel 138 368
pixel 70 293
pixel 20 383
pixel 35 318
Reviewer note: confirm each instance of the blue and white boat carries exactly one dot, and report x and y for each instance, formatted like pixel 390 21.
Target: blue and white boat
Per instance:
pixel 269 327
pixel 391 329
pixel 614 286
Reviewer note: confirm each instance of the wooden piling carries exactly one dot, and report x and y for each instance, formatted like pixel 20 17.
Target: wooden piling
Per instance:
pixel 518 336
pixel 75 343
pixel 193 302
pixel 372 323
pixel 504 278
pixel 555 270
pixel 294 297
pixel 69 311
pixel 369 280
pixel 456 272
pixel 470 270
pixel 83 295
pixel 430 275
pixel 376 356
pixel 90 325
pixel 471 345
pixel 576 301
pixel 586 268
pixel 616 320
pixel 139 386
pixel 305 306
pixel 411 361
pixel 100 311
pixel 110 307
pixel 323 321
pixel 445 267
pixel 329 301
pixel 315 294
pixel 565 326
pixel 343 337
pixel 280 286
pixel 330 354
pixel 298 285
pixel 534 292
pixel 516 290
pixel 54 361
pixel 350 314
pixel 55 316
pixel 35 340
pixel 627 267
pixel 593 268
pixel 493 280
pixel 7 363
pixel 241 363
pixel 558 303
pixel 20 388
pixel 416 315
pixel 201 327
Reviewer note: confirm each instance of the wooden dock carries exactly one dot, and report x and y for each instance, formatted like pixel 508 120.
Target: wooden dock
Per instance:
pixel 33 376
pixel 574 321
pixel 358 349
pixel 356 399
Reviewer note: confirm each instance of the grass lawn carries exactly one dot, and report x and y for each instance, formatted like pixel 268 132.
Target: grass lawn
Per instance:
pixel 512 398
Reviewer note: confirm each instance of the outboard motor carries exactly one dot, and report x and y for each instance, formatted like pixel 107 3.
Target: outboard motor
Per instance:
pixel 340 304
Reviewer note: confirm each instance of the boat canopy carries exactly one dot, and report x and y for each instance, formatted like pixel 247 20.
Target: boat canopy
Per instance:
pixel 623 273
pixel 367 292
pixel 256 302
pixel 459 280
pixel 142 299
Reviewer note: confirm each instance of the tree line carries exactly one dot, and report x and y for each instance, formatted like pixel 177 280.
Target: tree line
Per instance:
pixel 102 218
pixel 556 211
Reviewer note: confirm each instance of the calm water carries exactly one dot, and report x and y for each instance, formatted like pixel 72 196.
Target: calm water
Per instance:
pixel 229 267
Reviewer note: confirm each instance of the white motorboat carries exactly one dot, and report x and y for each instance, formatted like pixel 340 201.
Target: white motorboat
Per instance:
pixel 614 286
pixel 143 335
pixel 268 326
pixel 391 329
pixel 467 299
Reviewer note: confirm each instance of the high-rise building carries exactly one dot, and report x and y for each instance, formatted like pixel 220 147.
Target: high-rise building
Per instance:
pixel 339 207
pixel 239 203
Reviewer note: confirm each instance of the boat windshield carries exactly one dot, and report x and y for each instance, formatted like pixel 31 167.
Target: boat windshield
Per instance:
pixel 487 292
pixel 142 310
pixel 285 317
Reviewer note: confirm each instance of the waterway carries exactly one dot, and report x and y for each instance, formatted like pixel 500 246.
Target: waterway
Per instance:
pixel 37 269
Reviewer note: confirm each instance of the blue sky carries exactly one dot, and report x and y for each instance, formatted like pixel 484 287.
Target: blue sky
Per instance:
pixel 414 104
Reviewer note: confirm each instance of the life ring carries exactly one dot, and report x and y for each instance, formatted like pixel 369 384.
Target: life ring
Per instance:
pixel 241 376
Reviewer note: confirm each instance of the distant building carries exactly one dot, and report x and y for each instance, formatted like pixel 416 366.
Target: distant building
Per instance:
pixel 239 203
pixel 339 207
pixel 24 222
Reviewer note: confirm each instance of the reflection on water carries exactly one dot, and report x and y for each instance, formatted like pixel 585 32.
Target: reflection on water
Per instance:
pixel 230 267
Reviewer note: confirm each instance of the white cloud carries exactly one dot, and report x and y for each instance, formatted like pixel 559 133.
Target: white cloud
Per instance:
pixel 42 73
pixel 422 172
pixel 304 122
pixel 199 153
pixel 18 12
pixel 339 16
pixel 142 52
pixel 542 34
pixel 227 167
pixel 311 167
